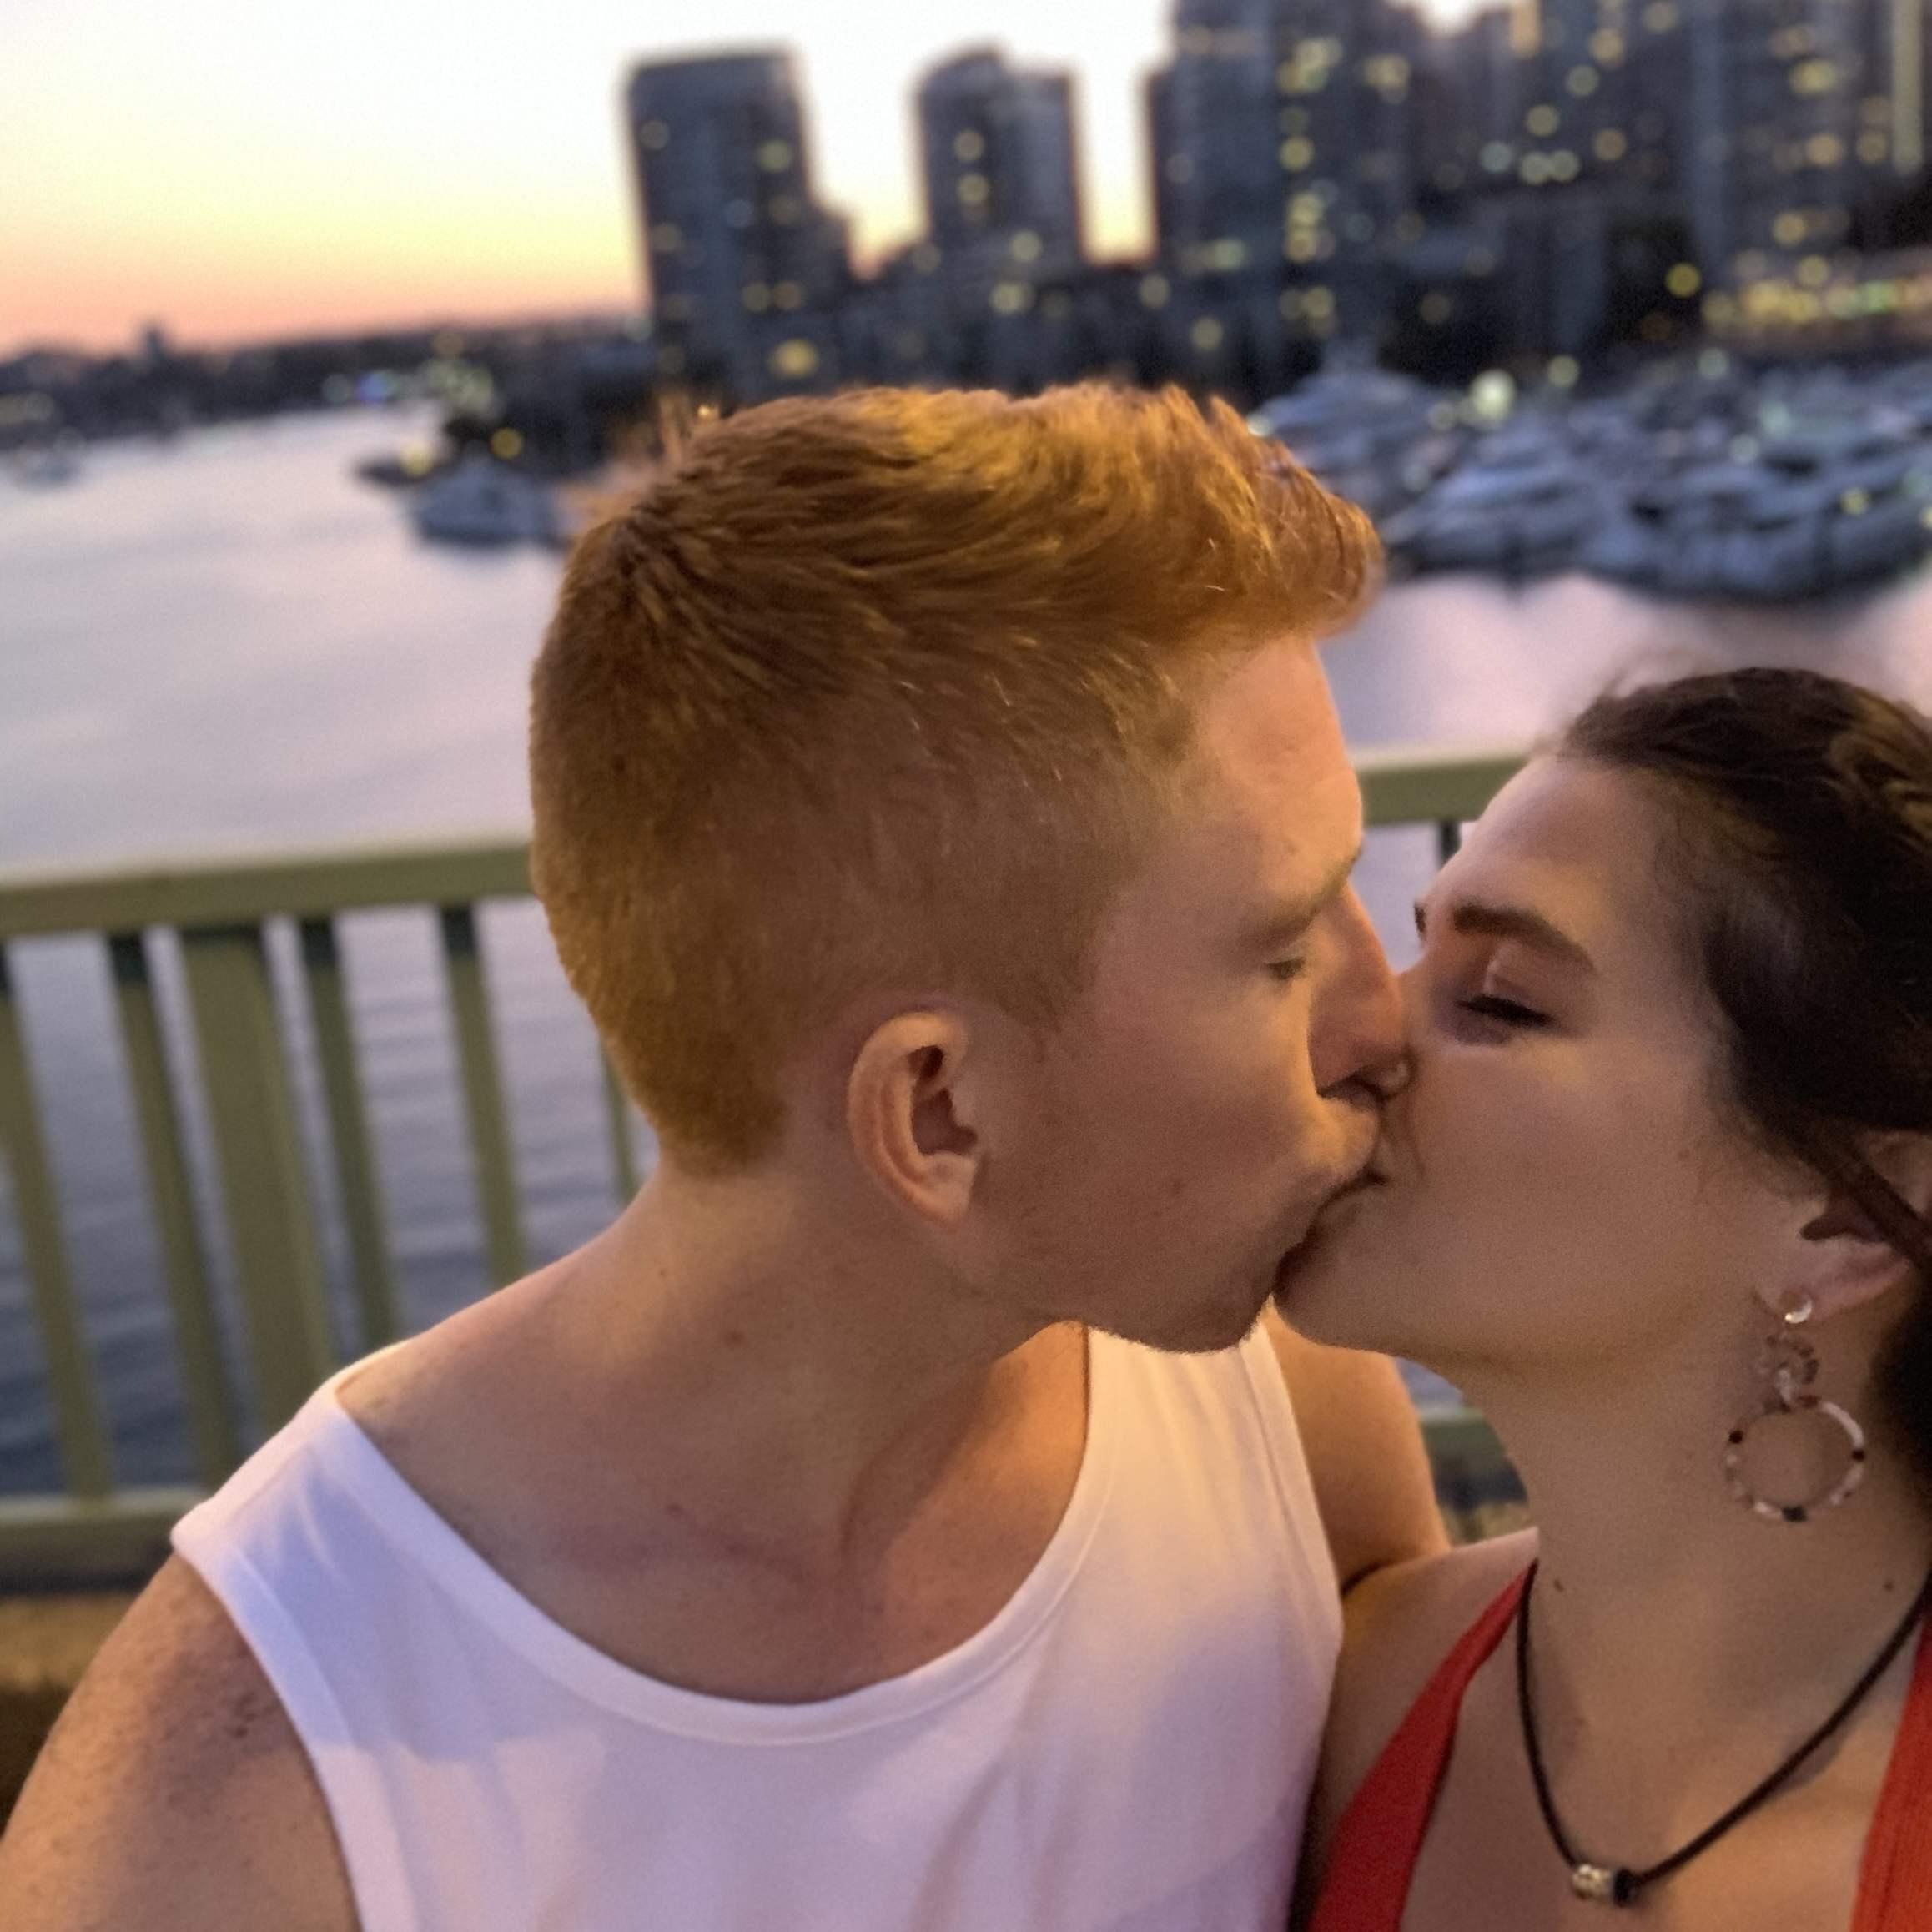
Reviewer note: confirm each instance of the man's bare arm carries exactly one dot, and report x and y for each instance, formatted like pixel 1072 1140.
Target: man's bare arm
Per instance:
pixel 1365 1451
pixel 173 1794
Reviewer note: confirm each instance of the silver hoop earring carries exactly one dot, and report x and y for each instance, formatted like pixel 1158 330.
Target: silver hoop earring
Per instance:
pixel 1787 1367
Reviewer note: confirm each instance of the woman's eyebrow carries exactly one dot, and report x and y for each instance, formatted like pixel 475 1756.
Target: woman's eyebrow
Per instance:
pixel 1510 923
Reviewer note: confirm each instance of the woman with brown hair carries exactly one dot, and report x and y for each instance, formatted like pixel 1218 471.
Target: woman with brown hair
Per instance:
pixel 1656 1200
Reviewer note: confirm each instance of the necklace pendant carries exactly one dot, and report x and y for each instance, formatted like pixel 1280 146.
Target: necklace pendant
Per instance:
pixel 1606 1885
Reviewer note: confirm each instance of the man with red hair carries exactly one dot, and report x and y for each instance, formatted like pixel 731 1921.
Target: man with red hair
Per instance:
pixel 902 1515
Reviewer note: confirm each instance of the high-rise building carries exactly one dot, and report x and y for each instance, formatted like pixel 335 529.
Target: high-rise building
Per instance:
pixel 1002 202
pixel 1771 165
pixel 743 267
pixel 1600 93
pixel 1282 132
pixel 1894 52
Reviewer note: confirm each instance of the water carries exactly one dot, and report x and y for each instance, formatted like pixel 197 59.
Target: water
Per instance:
pixel 229 643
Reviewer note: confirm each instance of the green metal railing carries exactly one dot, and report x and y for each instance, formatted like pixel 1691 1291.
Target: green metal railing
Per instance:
pixel 219 911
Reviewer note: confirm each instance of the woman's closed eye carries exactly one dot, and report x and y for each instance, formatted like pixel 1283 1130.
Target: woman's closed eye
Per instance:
pixel 1493 1006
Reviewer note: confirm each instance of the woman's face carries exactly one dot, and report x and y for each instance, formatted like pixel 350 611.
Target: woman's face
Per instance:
pixel 1559 1184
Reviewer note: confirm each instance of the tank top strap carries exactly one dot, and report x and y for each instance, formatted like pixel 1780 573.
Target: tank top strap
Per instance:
pixel 1895 1877
pixel 1379 1837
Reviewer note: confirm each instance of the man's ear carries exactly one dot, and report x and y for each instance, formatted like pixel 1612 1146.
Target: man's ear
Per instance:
pixel 910 1116
pixel 1849 1259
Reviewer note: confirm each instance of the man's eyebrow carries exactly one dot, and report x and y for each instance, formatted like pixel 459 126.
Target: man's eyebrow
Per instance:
pixel 1291 919
pixel 1510 923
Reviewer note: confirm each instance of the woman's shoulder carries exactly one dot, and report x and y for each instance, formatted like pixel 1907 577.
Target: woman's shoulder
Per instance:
pixel 1399 1625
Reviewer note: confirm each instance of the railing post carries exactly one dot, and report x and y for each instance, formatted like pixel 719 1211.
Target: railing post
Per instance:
pixel 355 1167
pixel 483 1095
pixel 617 1111
pixel 271 1222
pixel 211 1418
pixel 86 1459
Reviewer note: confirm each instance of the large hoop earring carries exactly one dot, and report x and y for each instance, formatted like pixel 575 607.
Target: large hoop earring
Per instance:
pixel 1787 1367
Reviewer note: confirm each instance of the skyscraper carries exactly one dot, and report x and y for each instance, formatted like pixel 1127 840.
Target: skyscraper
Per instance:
pixel 1775 92
pixel 1600 91
pixel 743 266
pixel 1281 132
pixel 1002 202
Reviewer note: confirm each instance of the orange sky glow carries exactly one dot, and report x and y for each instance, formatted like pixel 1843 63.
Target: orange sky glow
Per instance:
pixel 236 172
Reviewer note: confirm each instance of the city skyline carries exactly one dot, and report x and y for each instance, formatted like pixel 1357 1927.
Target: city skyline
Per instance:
pixel 235 175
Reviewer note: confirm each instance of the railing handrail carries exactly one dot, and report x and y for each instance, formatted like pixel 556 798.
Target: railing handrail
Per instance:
pixel 1401 784
pixel 245 887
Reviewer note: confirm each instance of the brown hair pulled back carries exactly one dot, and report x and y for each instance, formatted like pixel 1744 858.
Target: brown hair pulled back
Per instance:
pixel 1799 816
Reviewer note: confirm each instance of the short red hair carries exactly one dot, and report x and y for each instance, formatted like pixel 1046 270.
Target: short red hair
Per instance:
pixel 877 691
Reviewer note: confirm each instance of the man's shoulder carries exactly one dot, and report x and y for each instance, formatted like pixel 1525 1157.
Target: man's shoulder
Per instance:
pixel 174 1792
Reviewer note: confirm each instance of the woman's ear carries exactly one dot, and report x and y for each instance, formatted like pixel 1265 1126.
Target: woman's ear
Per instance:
pixel 1852 1255
pixel 909 1113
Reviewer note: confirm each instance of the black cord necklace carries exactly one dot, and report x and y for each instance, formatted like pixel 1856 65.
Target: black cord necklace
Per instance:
pixel 1617 1884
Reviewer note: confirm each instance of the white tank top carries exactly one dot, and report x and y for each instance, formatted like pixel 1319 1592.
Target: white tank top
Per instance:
pixel 1129 1745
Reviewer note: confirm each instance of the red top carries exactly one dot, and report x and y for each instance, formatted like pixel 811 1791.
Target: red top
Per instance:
pixel 1380 1834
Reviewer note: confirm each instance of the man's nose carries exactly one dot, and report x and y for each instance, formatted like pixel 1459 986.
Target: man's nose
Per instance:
pixel 1359 1037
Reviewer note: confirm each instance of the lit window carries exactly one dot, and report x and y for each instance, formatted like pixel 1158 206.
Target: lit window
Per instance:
pixel 1813 272
pixel 1683 281
pixel 1582 82
pixel 1207 334
pixel 973 190
pixel 1660 16
pixel 1787 230
pixel 1824 150
pixel 1154 291
pixel 1535 169
pixel 1563 165
pixel 1610 145
pixel 653 136
pixel 1304 208
pixel 1011 297
pixel 1026 246
pixel 1320 302
pixel 1564 372
pixel 1498 157
pixel 775 156
pixel 795 359
pixel 1296 154
pixel 789 295
pixel 1542 121
pixel 1872 148
pixel 506 444
pixel 970 145
pixel 1304 245
pixel 1607 46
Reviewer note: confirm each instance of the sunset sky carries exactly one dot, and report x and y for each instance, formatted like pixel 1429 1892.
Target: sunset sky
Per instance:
pixel 235 169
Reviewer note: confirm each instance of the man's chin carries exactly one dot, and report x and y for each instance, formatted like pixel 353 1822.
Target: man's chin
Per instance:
pixel 1316 1250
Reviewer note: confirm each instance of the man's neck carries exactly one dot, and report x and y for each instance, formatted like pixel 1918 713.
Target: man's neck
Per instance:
pixel 786 1385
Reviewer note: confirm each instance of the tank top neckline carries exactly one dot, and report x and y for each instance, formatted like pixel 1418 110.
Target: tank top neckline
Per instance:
pixel 1379 1840
pixel 431 1545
